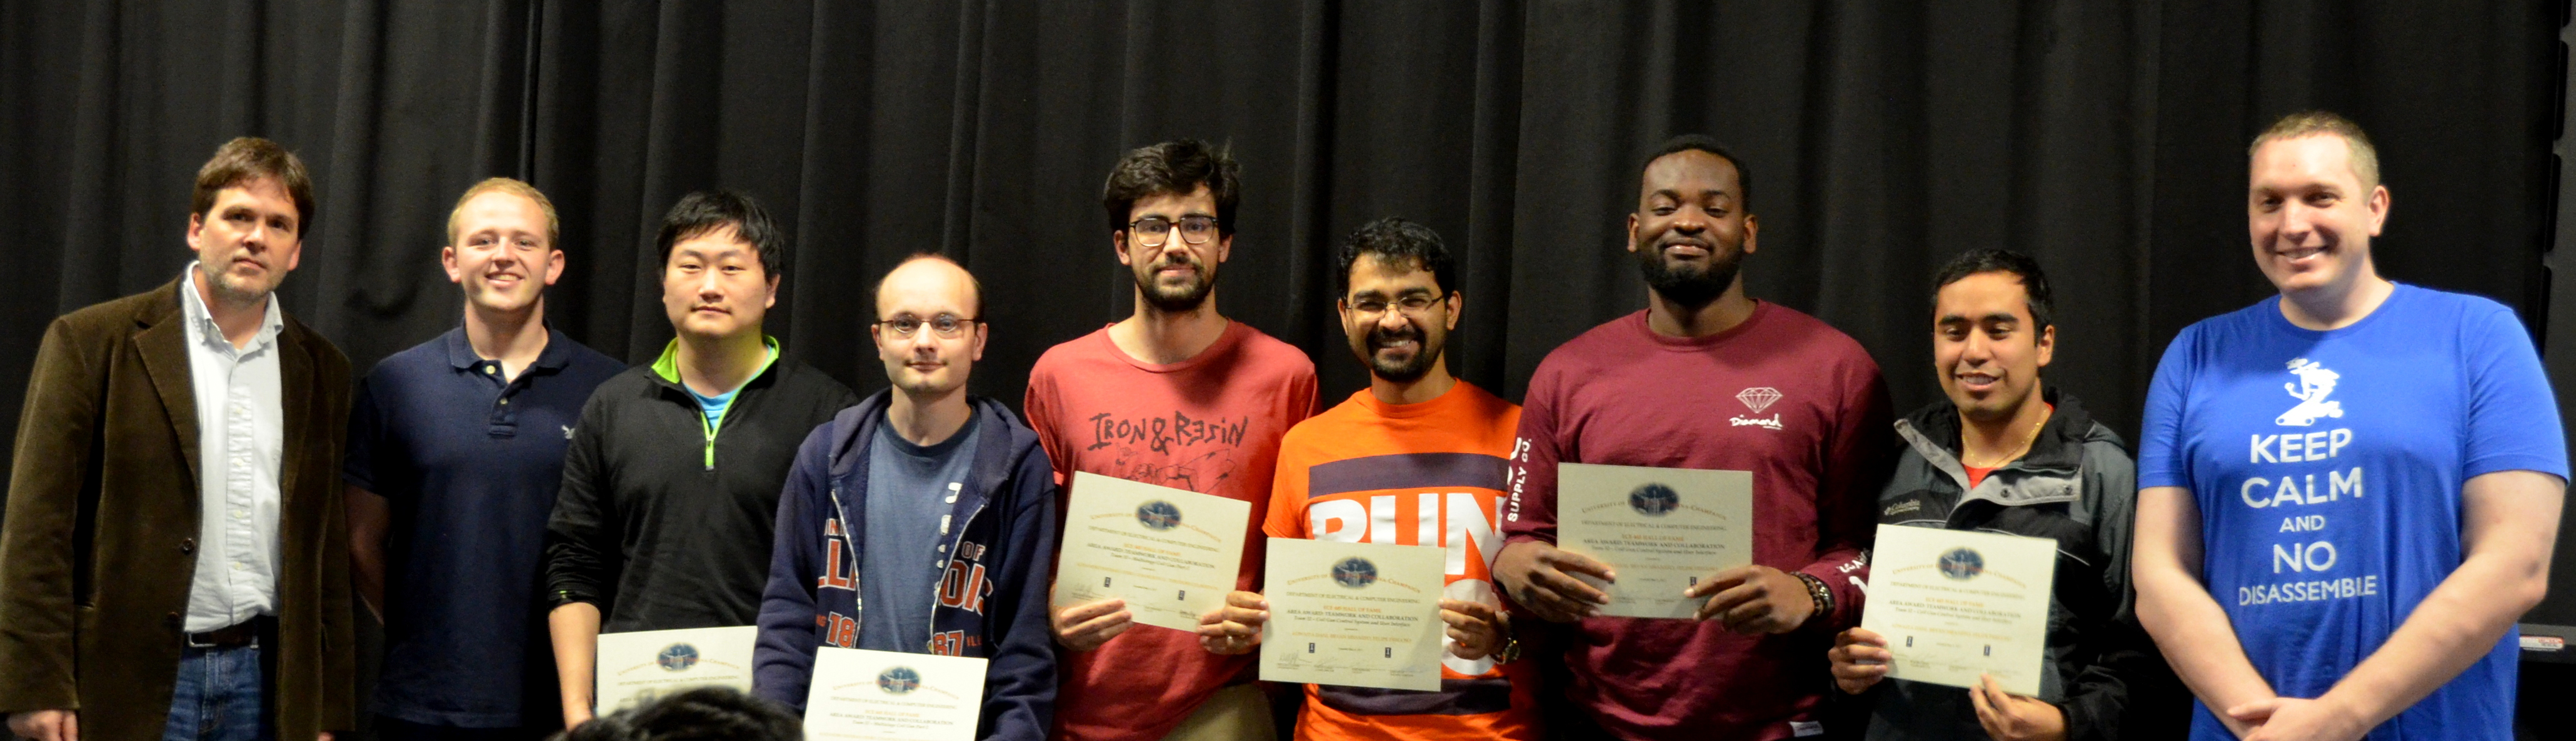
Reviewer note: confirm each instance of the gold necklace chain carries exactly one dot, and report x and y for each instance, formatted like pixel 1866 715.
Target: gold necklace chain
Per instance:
pixel 2016 453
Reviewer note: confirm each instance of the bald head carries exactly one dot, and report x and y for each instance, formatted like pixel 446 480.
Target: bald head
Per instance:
pixel 934 279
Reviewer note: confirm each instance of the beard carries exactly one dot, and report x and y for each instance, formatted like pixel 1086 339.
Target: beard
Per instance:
pixel 1691 287
pixel 1427 351
pixel 230 289
pixel 1176 299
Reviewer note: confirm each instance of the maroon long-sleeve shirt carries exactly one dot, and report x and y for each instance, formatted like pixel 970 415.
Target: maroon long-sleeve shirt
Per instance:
pixel 1783 395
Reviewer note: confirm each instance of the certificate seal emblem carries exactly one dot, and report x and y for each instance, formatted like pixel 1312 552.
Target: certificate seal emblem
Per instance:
pixel 898 680
pixel 1961 564
pixel 1158 515
pixel 1354 572
pixel 1654 500
pixel 677 657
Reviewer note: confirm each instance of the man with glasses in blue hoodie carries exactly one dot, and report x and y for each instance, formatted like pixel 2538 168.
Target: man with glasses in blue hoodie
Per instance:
pixel 934 509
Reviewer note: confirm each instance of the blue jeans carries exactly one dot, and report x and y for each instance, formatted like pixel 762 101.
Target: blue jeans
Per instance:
pixel 217 697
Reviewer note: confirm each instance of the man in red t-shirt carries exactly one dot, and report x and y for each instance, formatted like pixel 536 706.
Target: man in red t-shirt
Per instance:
pixel 1179 396
pixel 1418 458
pixel 1704 378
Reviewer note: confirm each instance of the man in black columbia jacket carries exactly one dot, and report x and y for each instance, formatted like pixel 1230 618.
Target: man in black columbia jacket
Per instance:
pixel 671 483
pixel 2003 454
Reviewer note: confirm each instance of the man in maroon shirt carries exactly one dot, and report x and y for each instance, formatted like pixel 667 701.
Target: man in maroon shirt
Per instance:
pixel 1704 378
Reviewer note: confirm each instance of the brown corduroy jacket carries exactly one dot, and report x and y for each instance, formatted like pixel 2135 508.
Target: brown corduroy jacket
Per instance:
pixel 98 541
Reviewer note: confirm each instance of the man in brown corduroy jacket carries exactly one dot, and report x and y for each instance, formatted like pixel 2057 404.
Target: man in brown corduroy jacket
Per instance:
pixel 174 555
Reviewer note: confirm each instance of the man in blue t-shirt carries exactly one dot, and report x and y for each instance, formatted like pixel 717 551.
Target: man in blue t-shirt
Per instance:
pixel 456 447
pixel 2349 493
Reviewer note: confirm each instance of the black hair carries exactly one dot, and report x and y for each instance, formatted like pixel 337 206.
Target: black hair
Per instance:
pixel 2034 282
pixel 702 714
pixel 1394 240
pixel 1174 168
pixel 1706 143
pixel 709 210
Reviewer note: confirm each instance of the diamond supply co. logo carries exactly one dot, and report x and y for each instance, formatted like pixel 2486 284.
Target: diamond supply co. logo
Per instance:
pixel 2315 382
pixel 1757 399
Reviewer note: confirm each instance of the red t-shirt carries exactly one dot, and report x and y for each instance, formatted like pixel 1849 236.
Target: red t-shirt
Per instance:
pixel 1782 395
pixel 1977 475
pixel 1210 424
pixel 1430 473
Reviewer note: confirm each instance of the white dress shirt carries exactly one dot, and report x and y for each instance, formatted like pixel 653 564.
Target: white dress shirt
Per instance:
pixel 241 449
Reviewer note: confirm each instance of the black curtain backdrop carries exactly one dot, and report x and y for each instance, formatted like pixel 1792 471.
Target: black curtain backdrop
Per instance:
pixel 2106 138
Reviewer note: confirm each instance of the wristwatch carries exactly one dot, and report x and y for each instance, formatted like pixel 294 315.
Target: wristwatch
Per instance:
pixel 1511 651
pixel 1816 590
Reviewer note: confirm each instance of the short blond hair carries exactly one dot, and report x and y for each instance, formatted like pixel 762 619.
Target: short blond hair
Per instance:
pixel 2365 158
pixel 512 186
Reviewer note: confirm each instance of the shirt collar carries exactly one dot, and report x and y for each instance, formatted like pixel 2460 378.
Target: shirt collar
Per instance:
pixel 461 355
pixel 272 320
pixel 668 366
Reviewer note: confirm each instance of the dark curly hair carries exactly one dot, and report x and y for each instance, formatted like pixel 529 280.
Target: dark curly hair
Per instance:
pixel 702 714
pixel 1396 241
pixel 1172 168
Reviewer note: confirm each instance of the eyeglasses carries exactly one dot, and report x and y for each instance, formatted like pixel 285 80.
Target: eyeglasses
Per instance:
pixel 949 326
pixel 1153 231
pixel 1413 306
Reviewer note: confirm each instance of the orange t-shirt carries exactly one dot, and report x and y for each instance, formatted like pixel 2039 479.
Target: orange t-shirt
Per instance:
pixel 1410 474
pixel 1210 424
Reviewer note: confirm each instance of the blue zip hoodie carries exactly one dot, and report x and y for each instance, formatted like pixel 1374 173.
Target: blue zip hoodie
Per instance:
pixel 990 601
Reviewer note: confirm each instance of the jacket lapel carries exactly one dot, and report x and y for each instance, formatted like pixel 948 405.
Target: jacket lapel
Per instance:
pixel 162 342
pixel 295 395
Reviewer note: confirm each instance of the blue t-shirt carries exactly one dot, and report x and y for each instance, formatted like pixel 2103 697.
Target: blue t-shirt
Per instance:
pixel 713 406
pixel 468 464
pixel 2327 467
pixel 911 491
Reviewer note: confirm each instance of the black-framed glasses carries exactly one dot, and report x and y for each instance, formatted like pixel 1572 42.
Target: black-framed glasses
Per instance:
pixel 1414 305
pixel 948 326
pixel 1153 231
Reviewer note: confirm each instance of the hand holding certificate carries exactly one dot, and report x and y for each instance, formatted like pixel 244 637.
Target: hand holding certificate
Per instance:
pixel 1356 614
pixel 1661 530
pixel 1954 604
pixel 1171 554
pixel 636 667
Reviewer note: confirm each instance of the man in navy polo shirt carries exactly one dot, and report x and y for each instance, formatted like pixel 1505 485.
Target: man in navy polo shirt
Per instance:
pixel 456 447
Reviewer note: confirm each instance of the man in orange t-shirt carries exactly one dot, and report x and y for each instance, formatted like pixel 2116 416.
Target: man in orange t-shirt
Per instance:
pixel 1175 395
pixel 1419 458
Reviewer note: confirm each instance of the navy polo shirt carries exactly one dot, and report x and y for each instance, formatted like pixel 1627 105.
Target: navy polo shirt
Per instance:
pixel 468 463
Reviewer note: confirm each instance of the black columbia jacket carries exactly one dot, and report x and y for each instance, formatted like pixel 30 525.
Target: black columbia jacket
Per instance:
pixel 2078 486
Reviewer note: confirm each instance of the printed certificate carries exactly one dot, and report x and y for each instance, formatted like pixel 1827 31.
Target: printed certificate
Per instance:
pixel 636 667
pixel 894 696
pixel 1661 530
pixel 1953 604
pixel 1172 554
pixel 1356 614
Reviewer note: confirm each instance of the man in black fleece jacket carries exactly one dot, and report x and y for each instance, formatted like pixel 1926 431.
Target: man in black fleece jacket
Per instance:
pixel 672 479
